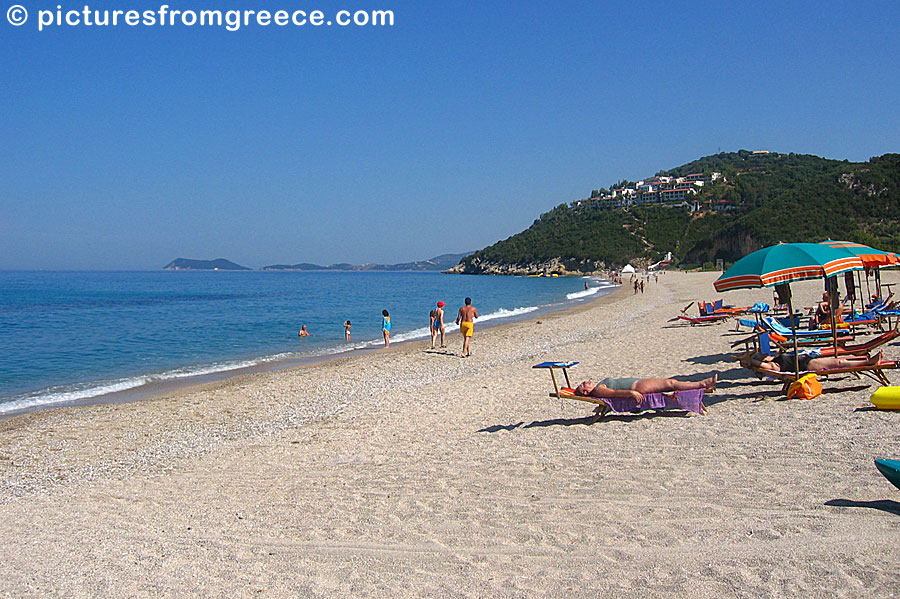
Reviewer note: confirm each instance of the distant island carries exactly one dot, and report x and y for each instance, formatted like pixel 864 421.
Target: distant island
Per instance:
pixel 217 264
pixel 720 207
pixel 438 263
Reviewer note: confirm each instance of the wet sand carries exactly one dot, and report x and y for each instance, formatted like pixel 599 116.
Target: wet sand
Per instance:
pixel 409 472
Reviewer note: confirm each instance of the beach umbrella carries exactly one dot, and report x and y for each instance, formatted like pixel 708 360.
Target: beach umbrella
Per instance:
pixel 781 265
pixel 786 263
pixel 872 258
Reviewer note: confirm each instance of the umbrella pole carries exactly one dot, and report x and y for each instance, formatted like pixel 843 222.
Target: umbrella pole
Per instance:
pixel 833 301
pixel 793 333
pixel 862 301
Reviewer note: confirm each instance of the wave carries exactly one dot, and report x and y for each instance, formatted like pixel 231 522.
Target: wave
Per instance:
pixel 584 293
pixel 449 327
pixel 80 392
pixel 64 394
pixel 602 285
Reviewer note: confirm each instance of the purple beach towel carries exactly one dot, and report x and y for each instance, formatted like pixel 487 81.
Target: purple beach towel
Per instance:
pixel 690 401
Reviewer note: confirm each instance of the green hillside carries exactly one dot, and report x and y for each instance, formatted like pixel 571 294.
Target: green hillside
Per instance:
pixel 762 199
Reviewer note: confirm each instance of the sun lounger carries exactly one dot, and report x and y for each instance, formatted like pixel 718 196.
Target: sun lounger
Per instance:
pixel 689 401
pixel 773 325
pixel 704 318
pixel 854 349
pixel 787 341
pixel 769 344
pixel 874 372
pixel 694 320
pixel 881 303
pixel 717 307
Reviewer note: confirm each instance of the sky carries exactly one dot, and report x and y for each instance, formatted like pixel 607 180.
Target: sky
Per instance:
pixel 127 147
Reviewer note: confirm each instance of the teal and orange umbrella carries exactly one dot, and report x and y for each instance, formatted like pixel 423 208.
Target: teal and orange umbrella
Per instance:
pixel 871 257
pixel 785 263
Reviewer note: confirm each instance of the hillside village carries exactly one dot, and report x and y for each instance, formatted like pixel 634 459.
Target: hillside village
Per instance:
pixel 659 189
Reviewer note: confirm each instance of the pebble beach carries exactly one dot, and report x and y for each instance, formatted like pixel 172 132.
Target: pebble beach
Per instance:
pixel 411 472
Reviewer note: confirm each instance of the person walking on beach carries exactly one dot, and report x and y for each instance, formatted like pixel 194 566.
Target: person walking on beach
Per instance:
pixel 386 327
pixel 437 323
pixel 466 321
pixel 347 331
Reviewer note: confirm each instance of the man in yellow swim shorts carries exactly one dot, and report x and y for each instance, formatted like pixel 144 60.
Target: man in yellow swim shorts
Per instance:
pixel 466 321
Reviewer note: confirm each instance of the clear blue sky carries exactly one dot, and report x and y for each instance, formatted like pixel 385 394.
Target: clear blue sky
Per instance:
pixel 123 148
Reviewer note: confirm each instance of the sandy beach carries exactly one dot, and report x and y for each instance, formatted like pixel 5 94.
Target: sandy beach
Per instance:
pixel 415 473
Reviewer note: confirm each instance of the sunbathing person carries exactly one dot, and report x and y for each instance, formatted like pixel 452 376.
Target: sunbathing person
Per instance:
pixel 784 362
pixel 823 312
pixel 635 388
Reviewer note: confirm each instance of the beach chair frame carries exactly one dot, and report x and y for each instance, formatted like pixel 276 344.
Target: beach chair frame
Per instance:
pixel 874 372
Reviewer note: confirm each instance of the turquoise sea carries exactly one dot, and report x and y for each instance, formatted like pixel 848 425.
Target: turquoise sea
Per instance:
pixel 76 337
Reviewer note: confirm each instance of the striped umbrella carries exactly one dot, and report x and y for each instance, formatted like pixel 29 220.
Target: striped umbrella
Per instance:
pixel 784 263
pixel 871 257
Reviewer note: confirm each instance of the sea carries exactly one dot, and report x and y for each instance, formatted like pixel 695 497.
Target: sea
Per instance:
pixel 73 338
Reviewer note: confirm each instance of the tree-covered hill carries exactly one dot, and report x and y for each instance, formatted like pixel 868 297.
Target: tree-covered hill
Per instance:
pixel 762 199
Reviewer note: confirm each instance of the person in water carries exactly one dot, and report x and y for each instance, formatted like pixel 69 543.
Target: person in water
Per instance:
pixel 303 332
pixel 437 324
pixel 466 321
pixel 636 388
pixel 386 327
pixel 347 331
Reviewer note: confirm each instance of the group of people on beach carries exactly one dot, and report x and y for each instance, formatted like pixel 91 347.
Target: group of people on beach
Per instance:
pixel 465 318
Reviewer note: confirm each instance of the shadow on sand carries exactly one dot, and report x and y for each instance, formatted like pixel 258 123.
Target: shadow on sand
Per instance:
pixel 441 352
pixel 711 359
pixel 885 505
pixel 588 420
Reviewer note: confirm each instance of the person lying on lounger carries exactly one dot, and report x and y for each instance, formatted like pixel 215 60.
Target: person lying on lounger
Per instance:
pixel 784 362
pixel 635 388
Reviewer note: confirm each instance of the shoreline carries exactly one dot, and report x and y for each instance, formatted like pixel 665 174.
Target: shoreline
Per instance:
pixel 410 473
pixel 263 364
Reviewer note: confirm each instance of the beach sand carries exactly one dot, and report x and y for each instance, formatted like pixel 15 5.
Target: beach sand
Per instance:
pixel 410 473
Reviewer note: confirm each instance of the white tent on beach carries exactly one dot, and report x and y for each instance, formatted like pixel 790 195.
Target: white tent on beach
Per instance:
pixel 628 269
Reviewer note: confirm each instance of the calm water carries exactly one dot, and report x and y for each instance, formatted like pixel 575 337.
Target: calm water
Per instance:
pixel 67 336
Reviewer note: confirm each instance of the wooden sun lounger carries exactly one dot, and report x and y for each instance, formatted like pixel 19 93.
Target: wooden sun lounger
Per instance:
pixel 823 345
pixel 874 372
pixel 856 348
pixel 824 351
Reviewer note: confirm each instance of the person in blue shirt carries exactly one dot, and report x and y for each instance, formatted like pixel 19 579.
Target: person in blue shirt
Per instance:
pixel 386 327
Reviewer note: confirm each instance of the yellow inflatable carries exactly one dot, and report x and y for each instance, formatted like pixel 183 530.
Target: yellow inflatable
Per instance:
pixel 887 398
